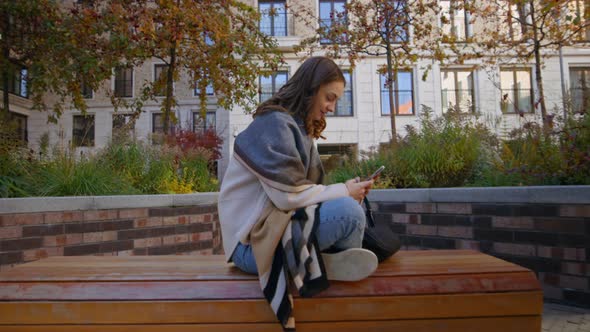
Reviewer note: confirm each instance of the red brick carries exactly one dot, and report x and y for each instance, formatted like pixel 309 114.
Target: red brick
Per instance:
pixel 55 240
pixel 149 242
pixel 133 213
pixel 201 236
pixel 208 217
pixel 11 232
pixel 195 219
pixel 456 231
pixel 421 230
pixel 454 208
pixel 179 238
pixel 109 236
pixel 75 238
pixel 63 216
pixel 56 251
pixel 167 221
pixel 182 220
pixel 513 222
pixel 514 249
pixel 575 211
pixel 579 269
pixel 467 244
pixel 148 222
pixel 125 253
pixel 92 237
pixel 574 254
pixel 421 207
pixel 100 215
pixel 27 218
pixel 168 239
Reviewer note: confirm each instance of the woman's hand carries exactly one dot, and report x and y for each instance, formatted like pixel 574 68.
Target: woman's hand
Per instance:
pixel 357 189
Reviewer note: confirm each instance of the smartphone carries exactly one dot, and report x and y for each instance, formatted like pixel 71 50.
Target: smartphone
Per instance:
pixel 374 175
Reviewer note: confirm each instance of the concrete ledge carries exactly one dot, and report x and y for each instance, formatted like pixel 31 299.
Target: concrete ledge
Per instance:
pixel 531 195
pixel 48 204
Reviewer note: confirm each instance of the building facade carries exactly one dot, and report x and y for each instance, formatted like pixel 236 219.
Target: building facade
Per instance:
pixel 361 121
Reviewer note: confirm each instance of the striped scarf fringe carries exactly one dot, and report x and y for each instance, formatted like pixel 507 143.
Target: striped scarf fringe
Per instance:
pixel 297 256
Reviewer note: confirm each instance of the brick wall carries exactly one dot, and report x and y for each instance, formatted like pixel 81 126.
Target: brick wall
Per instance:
pixel 551 239
pixel 26 237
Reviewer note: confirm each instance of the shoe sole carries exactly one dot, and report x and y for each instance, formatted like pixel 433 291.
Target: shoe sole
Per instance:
pixel 350 264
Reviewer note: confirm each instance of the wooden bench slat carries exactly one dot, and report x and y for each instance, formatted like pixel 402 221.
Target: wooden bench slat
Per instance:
pixel 214 267
pixel 258 311
pixel 494 324
pixel 250 289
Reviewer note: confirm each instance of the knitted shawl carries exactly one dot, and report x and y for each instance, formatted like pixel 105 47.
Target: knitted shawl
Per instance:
pixel 279 150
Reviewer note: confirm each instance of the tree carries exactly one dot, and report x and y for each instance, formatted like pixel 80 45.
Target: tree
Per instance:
pixel 521 31
pixel 214 43
pixel 64 48
pixel 48 49
pixel 403 31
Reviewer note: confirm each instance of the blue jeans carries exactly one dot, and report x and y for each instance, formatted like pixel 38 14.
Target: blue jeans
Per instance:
pixel 341 226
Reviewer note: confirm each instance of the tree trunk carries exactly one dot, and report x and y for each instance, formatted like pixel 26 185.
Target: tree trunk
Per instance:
pixel 390 90
pixel 169 90
pixel 538 73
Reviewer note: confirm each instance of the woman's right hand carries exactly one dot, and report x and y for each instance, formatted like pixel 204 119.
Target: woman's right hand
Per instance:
pixel 358 189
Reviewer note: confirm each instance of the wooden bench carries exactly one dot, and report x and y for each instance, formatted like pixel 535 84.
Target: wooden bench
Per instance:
pixel 442 290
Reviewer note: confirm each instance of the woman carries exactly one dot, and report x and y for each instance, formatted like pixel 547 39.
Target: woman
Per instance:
pixel 296 114
pixel 273 209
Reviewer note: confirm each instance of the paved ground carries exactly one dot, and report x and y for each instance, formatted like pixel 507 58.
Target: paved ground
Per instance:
pixel 560 318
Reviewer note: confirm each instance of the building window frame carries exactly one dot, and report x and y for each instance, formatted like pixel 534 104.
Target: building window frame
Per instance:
pixel 580 91
pixel 201 125
pixel 397 93
pixel 327 20
pixel 348 95
pixel 274 83
pixel 83 130
pixel 124 82
pixel 580 9
pixel 511 99
pixel 121 122
pixel 457 95
pixel 160 69
pixel 457 22
pixel 275 13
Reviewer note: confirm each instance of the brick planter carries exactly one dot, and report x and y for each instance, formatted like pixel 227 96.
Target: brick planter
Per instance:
pixel 546 229
pixel 35 228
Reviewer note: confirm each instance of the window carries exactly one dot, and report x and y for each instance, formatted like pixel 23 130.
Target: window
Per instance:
pixel 399 19
pixel 270 84
pixel 157 123
pixel 403 94
pixel 579 11
pixel 457 90
pixel 518 18
pixel 455 19
pixel 83 131
pixel 273 18
pixel 201 125
pixel 18 82
pixel 17 128
pixel 580 88
pixel 124 82
pixel 517 94
pixel 332 12
pixel 123 124
pixel 344 105
pixel 209 91
pixel 86 91
pixel 160 73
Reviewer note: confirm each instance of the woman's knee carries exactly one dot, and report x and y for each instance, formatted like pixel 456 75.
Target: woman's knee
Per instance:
pixel 349 211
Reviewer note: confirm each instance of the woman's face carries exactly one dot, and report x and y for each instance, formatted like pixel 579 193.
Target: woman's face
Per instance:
pixel 325 100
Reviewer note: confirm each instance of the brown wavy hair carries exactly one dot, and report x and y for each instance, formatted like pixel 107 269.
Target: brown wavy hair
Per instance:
pixel 296 95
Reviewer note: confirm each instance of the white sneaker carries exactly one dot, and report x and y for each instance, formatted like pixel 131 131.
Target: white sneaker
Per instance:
pixel 350 264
